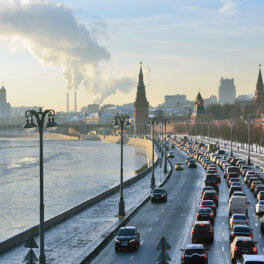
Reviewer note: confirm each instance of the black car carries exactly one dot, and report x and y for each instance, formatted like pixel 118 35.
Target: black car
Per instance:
pixel 258 189
pixel 240 230
pixel 158 194
pixel 202 231
pixel 208 203
pixel 192 164
pixel 262 224
pixel 210 195
pixel 233 189
pixel 194 253
pixel 206 188
pixel 171 155
pixel 127 237
pixel 204 214
pixel 172 146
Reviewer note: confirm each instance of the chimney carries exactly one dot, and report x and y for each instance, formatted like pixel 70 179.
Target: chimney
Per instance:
pixel 67 102
pixel 75 101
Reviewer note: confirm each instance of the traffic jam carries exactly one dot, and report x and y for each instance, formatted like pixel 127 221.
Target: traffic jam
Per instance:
pixel 241 179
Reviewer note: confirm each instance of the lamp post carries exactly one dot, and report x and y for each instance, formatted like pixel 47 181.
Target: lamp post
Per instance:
pixel 151 122
pixel 249 123
pixel 165 122
pixel 162 144
pixel 231 136
pixel 120 121
pixel 31 126
pixel 208 132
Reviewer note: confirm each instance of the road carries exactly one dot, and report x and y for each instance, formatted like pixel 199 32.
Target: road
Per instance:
pixel 174 220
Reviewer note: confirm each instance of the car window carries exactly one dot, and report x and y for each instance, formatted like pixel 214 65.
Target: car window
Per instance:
pixel 245 243
pixel 241 229
pixel 204 210
pixel 158 191
pixel 240 217
pixel 126 232
pixel 193 250
pixel 202 227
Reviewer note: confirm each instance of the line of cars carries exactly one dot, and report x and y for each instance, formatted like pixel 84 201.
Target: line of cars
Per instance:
pixel 242 245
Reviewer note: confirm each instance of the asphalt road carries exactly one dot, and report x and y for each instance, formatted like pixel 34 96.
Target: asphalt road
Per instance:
pixel 174 220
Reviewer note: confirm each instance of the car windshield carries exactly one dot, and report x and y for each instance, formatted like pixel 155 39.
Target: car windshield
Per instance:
pixel 207 203
pixel 178 164
pixel 158 191
pixel 240 217
pixel 261 202
pixel 126 232
pixel 202 227
pixel 245 229
pixel 193 250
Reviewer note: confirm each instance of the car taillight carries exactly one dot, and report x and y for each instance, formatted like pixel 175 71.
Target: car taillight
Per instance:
pixel 211 215
pixel 215 197
pixel 182 256
pixel 205 256
pixel 197 215
pixel 232 222
pixel 211 230
pixel 192 231
pixel 254 249
pixel 235 248
pixel 250 235
pixel 246 222
pixel 233 235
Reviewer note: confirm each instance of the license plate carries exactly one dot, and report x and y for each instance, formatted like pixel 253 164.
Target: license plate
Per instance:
pixel 124 244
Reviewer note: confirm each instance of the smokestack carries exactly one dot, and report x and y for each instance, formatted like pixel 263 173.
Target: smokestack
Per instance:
pixel 67 102
pixel 75 101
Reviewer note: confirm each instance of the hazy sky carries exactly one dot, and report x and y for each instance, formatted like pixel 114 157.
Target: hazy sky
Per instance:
pixel 47 47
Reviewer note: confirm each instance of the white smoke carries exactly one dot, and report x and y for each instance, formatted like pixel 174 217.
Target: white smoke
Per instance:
pixel 54 36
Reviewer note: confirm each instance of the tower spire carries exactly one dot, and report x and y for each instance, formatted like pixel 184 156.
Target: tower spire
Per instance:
pixel 260 81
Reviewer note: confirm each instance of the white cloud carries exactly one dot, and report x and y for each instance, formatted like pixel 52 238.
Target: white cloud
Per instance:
pixel 54 37
pixel 228 8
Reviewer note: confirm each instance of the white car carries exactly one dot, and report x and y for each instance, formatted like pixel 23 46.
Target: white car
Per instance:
pixel 260 207
pixel 247 259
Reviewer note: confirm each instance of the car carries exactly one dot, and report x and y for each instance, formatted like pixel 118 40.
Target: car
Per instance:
pixel 254 184
pixel 238 219
pixel 202 231
pixel 206 188
pixel 179 166
pixel 194 253
pixel 260 207
pixel 192 164
pixel 187 160
pixel 158 194
pixel 258 189
pixel 233 180
pixel 260 195
pixel 127 237
pixel 234 188
pixel 204 214
pixel 251 179
pixel 240 230
pixel 172 146
pixel 210 204
pixel 171 155
pixel 242 245
pixel 252 259
pixel 210 195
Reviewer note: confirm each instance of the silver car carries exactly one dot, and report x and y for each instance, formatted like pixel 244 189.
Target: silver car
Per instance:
pixel 260 207
pixel 238 219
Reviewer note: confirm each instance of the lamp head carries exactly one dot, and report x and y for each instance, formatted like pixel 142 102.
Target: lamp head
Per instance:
pixel 116 125
pixel 51 125
pixel 148 123
pixel 29 126
pixel 128 124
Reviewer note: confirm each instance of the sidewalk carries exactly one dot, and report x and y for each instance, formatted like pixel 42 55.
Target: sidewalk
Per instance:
pixel 80 234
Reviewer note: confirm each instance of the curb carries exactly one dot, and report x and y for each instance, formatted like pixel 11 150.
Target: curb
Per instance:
pixel 110 236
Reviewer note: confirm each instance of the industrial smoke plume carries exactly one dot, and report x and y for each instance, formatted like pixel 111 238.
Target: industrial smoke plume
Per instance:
pixel 53 35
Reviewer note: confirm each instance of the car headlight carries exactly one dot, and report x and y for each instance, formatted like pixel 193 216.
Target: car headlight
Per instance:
pixel 133 240
pixel 117 241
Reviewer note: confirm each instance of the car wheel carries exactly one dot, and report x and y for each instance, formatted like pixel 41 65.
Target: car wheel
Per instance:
pixel 116 249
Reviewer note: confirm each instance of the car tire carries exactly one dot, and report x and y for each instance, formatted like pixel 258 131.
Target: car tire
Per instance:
pixel 116 249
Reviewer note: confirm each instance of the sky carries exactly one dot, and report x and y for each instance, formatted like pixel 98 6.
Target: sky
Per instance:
pixel 94 47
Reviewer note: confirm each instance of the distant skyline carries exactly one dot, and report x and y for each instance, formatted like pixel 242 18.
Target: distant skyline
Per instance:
pixel 47 47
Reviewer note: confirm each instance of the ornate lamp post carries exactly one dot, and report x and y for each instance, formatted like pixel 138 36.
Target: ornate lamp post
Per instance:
pixel 152 121
pixel 120 121
pixel 31 126
pixel 231 136
pixel 165 122
pixel 249 123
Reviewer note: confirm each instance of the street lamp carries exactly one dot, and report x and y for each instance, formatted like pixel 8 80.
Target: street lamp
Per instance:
pixel 31 126
pixel 165 121
pixel 162 153
pixel 231 136
pixel 152 121
pixel 249 123
pixel 120 120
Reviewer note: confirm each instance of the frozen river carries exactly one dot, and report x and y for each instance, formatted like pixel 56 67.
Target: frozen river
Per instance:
pixel 73 172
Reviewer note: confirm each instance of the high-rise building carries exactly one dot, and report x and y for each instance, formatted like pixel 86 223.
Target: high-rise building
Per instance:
pixel 93 108
pixel 174 100
pixel 227 91
pixel 4 106
pixel 259 92
pixel 141 107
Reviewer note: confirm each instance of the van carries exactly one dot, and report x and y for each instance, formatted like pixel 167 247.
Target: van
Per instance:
pixel 238 205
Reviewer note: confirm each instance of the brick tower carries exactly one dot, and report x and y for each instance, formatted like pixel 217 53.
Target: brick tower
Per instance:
pixel 198 113
pixel 141 107
pixel 259 93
